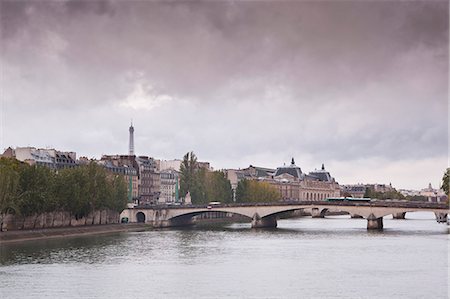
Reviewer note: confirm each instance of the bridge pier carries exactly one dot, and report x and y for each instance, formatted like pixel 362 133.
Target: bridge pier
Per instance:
pixel 265 222
pixel 316 213
pixel 374 223
pixel 399 215
pixel 441 217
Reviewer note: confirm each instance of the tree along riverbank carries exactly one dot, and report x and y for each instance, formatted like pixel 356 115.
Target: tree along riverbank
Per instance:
pixel 38 197
pixel 8 237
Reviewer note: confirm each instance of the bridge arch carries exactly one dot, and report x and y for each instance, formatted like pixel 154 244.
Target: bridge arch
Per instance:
pixel 323 212
pixel 140 217
pixel 281 212
pixel 187 218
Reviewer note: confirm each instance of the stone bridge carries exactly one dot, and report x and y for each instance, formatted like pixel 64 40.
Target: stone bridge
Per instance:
pixel 266 214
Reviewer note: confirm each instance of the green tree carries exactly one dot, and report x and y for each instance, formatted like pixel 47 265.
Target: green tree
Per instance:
pixel 241 191
pixel 9 182
pixel 72 190
pixel 32 190
pixel 203 185
pixel 188 173
pixel 445 182
pixel 218 187
pixel 368 193
pixel 35 190
pixel 119 194
pixel 100 190
pixel 256 191
pixel 394 194
pixel 199 187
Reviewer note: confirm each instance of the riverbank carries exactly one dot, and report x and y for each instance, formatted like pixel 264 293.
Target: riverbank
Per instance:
pixel 12 236
pixel 7 237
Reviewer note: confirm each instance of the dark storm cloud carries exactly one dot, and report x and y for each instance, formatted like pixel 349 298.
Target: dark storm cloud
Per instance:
pixel 329 80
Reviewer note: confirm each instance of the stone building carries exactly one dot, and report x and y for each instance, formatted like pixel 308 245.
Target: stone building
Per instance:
pixel 433 195
pixel 356 191
pixel 168 164
pixel 257 172
pixel 290 181
pixel 293 184
pixel 237 175
pixel 123 165
pixel 149 180
pixel 383 188
pixel 169 186
pixel 176 165
pixel 50 158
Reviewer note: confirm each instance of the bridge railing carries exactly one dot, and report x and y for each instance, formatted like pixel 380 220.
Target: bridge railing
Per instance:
pixel 372 203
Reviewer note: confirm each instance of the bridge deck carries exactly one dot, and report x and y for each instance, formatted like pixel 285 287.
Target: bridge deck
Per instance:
pixel 373 203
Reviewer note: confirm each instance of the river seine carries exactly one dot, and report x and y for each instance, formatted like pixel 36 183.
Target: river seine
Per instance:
pixel 334 257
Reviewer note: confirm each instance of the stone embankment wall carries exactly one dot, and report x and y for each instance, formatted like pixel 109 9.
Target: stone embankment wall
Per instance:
pixel 57 219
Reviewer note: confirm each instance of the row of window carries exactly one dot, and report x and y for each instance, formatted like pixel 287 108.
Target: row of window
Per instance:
pixel 316 196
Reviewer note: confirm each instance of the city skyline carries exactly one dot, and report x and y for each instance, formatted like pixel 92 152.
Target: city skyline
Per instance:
pixel 359 86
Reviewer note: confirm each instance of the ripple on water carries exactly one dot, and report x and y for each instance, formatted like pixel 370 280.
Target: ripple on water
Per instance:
pixel 311 258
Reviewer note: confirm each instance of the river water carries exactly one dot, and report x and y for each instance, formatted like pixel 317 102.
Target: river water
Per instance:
pixel 334 257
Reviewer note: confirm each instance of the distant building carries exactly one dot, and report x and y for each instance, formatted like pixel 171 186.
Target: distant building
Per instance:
pixel 146 186
pixel 176 165
pixel 65 159
pixel 257 172
pixel 293 184
pixel 126 166
pixel 168 164
pixel 409 192
pixel 9 153
pixel 205 165
pixel 149 180
pixel 433 195
pixel 290 181
pixel 356 191
pixel 234 176
pixel 50 158
pixel 169 186
pixel 383 188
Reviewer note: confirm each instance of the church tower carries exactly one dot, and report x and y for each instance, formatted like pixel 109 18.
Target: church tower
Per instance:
pixel 131 143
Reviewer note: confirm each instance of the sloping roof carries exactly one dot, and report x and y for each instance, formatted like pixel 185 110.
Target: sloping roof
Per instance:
pixel 292 169
pixel 321 175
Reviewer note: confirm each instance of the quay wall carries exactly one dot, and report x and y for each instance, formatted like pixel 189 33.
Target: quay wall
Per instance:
pixel 57 219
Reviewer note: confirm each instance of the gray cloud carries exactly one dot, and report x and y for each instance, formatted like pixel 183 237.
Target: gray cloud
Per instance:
pixel 237 82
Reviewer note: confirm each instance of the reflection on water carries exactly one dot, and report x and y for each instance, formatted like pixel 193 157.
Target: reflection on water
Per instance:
pixel 311 258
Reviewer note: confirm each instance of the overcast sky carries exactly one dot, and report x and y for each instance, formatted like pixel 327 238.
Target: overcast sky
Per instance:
pixel 361 86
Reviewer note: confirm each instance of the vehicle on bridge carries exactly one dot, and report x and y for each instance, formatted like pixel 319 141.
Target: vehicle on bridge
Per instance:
pixel 213 204
pixel 349 199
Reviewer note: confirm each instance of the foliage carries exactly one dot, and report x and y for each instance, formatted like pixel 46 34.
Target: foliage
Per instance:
pixel 445 182
pixel 9 181
pixel 218 187
pixel 35 189
pixel 394 194
pixel 256 191
pixel 204 186
pixel 416 198
pixel 188 172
